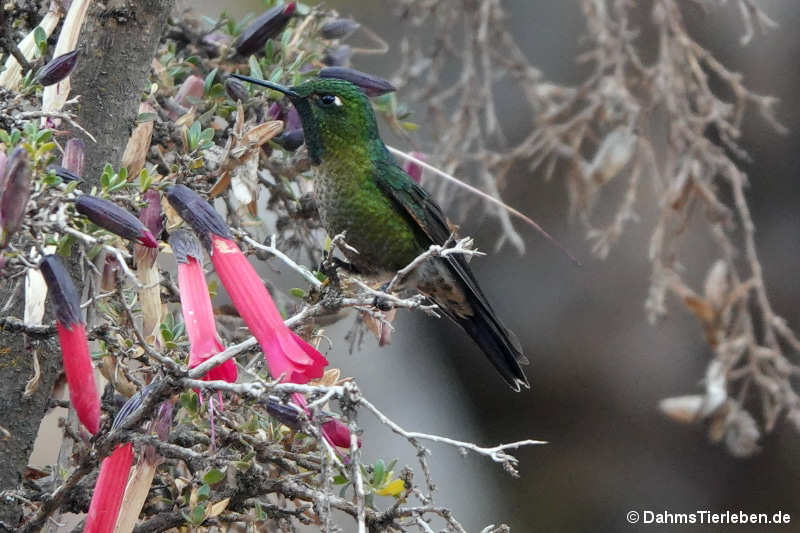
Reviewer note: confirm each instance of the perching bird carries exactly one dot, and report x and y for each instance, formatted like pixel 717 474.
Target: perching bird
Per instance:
pixel 390 220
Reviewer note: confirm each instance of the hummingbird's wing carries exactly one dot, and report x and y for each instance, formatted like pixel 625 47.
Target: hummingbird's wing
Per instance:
pixel 499 344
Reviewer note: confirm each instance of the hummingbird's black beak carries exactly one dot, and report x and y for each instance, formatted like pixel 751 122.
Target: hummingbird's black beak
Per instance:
pixel 264 83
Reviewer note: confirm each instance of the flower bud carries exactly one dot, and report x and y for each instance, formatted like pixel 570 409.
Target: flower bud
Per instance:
pixel 115 219
pixel 192 88
pixel 291 140
pixel 74 156
pixel 371 85
pixel 63 173
pixel 185 245
pixel 263 28
pixel 236 90
pixel 150 215
pixel 339 28
pixel 57 69
pixel 286 413
pixel 293 121
pixel 274 112
pixel 61 290
pixel 198 213
pixel 338 56
pixel 16 192
pixel 74 346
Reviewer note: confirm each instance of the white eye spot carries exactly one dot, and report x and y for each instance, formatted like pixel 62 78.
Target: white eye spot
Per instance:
pixel 337 101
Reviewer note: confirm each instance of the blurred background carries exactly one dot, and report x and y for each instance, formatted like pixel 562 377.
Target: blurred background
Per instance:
pixel 598 367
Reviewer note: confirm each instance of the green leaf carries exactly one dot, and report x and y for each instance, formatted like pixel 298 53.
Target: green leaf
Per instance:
pixel 378 471
pixel 141 118
pixel 64 248
pixel 198 515
pixel 276 74
pixel 213 476
pixel 145 180
pixel 339 479
pixel 209 81
pixel 40 38
pixel 203 492
pixel 43 136
pixel 297 293
pixel 255 68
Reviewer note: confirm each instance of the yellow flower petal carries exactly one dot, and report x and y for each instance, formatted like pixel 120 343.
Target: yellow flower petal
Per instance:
pixel 392 489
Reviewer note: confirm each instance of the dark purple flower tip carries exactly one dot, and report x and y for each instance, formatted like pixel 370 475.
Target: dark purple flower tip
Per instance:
pixel 163 423
pixel 185 245
pixel 150 215
pixel 266 26
pixel 291 140
pixel 61 291
pixel 286 413
pixel 199 214
pixel 293 120
pixel 371 85
pixel 74 156
pixel 115 219
pixel 275 111
pixel 131 405
pixel 64 173
pixel 236 90
pixel 339 28
pixel 338 56
pixel 57 69
pixel 16 192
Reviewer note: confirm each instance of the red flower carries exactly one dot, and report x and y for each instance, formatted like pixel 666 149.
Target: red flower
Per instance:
pixel 80 374
pixel 286 354
pixel 336 433
pixel 109 490
pixel 198 315
pixel 74 346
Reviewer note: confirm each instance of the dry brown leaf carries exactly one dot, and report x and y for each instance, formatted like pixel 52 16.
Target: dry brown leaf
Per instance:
pixel 135 497
pixel 216 509
pixel 138 144
pixel 260 134
pixel 221 185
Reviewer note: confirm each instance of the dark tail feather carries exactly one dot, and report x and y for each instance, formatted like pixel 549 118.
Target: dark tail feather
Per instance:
pixel 500 345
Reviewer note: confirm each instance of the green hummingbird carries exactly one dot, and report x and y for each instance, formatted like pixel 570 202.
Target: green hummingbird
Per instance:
pixel 389 219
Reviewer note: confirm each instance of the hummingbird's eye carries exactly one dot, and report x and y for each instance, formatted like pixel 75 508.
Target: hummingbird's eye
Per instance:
pixel 329 100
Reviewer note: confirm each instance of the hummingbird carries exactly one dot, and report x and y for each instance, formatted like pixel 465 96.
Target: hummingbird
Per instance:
pixel 388 218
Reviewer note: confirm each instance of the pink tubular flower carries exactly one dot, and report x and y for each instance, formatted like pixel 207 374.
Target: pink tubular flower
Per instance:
pixel 286 354
pixel 74 346
pixel 109 490
pixel 198 315
pixel 334 431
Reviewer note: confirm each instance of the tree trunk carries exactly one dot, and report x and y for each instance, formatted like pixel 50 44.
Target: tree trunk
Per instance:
pixel 117 44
